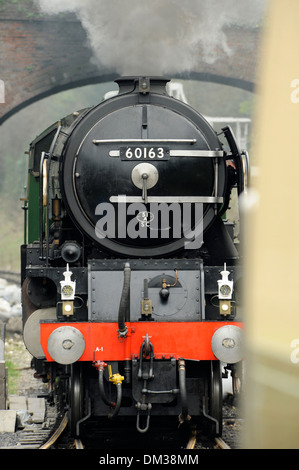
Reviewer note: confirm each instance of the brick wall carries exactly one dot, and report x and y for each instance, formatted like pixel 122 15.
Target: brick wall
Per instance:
pixel 42 54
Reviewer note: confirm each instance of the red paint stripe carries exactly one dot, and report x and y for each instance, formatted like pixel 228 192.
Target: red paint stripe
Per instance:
pixel 190 340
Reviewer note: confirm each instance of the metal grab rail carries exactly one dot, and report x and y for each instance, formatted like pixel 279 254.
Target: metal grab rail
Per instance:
pixel 45 156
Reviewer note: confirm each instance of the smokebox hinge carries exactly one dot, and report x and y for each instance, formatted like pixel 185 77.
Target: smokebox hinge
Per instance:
pixel 144 85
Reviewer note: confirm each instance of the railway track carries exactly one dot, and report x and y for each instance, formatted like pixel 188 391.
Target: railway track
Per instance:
pixel 46 435
pixel 54 434
pixel 78 444
pixel 191 443
pixel 221 444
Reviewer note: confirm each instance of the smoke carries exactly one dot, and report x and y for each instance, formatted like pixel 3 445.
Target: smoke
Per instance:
pixel 141 37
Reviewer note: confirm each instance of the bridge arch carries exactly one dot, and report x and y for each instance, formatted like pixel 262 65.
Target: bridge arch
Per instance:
pixel 41 55
pixel 204 77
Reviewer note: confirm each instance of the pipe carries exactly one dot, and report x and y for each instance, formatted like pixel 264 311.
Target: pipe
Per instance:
pixel 125 296
pixel 51 151
pixel 102 390
pixel 41 207
pixel 114 405
pixel 182 382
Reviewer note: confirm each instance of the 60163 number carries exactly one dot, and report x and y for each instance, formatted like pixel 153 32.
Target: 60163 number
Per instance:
pixel 144 153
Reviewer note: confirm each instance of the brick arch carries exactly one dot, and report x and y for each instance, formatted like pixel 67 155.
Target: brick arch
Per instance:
pixel 41 55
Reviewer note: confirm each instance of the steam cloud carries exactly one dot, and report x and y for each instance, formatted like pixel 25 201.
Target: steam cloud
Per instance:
pixel 141 37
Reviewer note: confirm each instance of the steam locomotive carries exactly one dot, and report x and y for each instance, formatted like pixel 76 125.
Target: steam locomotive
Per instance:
pixel 130 272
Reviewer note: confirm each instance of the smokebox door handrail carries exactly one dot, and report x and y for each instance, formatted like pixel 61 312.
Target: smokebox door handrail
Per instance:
pixel 113 141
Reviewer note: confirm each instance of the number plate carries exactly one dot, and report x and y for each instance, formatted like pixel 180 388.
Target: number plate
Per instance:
pixel 144 153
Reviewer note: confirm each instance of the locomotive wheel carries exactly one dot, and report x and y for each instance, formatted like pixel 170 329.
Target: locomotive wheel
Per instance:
pixel 215 396
pixel 76 394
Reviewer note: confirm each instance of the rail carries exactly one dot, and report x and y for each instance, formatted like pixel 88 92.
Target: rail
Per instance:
pixel 192 439
pixel 47 445
pixel 56 434
pixel 221 443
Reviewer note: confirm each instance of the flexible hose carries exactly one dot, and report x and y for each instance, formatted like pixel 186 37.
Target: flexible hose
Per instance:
pixel 122 327
pixel 118 401
pixel 102 390
pixel 113 405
